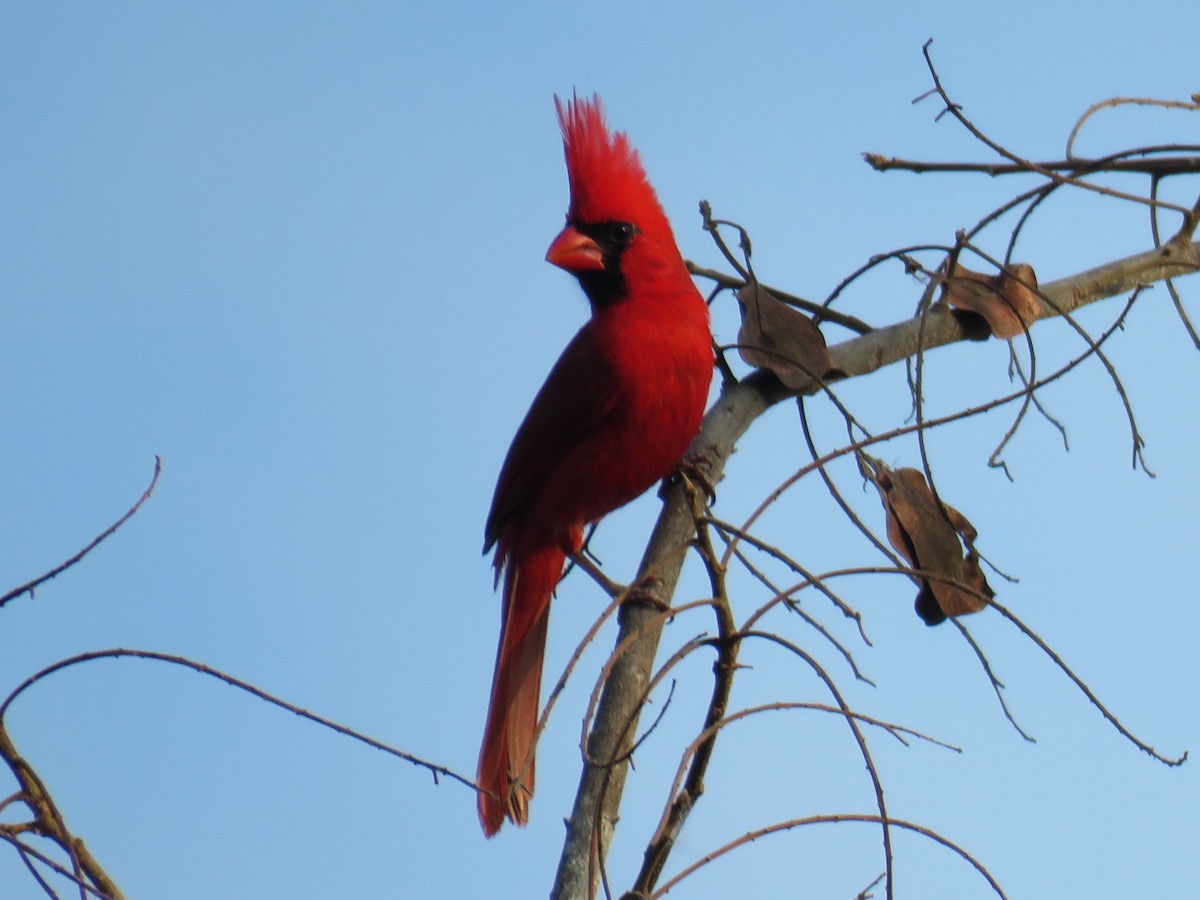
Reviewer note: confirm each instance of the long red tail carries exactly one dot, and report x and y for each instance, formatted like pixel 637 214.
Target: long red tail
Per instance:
pixel 506 766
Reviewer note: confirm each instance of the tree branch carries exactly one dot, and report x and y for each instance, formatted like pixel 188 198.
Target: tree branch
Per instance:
pixel 48 822
pixel 1162 165
pixel 30 586
pixel 597 802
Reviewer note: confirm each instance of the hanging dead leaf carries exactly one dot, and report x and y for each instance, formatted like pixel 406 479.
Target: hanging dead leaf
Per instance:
pixel 932 541
pixel 1007 301
pixel 777 337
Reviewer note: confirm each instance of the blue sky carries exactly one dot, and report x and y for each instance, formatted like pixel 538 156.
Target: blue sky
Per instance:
pixel 296 250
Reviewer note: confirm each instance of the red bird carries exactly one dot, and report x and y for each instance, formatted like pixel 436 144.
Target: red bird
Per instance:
pixel 614 416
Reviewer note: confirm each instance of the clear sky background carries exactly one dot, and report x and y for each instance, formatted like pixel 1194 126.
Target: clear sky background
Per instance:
pixel 296 250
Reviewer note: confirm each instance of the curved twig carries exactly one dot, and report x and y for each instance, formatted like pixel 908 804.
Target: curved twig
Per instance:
pixel 182 661
pixel 831 820
pixel 30 586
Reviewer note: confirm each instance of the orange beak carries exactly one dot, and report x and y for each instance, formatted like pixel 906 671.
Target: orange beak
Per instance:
pixel 575 252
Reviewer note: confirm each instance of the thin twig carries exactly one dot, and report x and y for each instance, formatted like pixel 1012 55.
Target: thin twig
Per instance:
pixel 30 586
pixel 1163 165
pixel 128 653
pixel 832 820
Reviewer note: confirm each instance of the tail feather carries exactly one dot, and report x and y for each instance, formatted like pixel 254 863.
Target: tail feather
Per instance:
pixel 506 764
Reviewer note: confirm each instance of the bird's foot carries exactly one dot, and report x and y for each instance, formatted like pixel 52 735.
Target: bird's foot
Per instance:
pixel 692 475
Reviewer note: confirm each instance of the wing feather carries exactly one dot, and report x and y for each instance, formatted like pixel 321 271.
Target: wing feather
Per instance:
pixel 576 400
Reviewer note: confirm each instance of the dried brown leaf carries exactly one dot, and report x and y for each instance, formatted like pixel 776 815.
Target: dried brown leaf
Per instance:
pixel 932 541
pixel 1007 301
pixel 777 337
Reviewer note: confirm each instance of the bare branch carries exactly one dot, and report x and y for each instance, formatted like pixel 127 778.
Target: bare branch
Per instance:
pixel 30 586
pixel 1159 165
pixel 832 820
pixel 590 826
pixel 122 652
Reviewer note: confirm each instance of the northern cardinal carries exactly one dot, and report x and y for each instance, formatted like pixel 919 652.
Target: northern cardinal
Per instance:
pixel 613 417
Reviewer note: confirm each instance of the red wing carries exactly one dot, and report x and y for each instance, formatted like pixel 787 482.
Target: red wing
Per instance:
pixel 570 408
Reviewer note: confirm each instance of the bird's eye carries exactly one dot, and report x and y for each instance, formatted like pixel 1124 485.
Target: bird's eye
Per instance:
pixel 621 233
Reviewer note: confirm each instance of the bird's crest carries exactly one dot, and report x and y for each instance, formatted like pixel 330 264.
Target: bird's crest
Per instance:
pixel 605 172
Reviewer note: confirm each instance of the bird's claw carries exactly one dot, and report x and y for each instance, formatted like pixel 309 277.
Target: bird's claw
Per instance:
pixel 690 473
